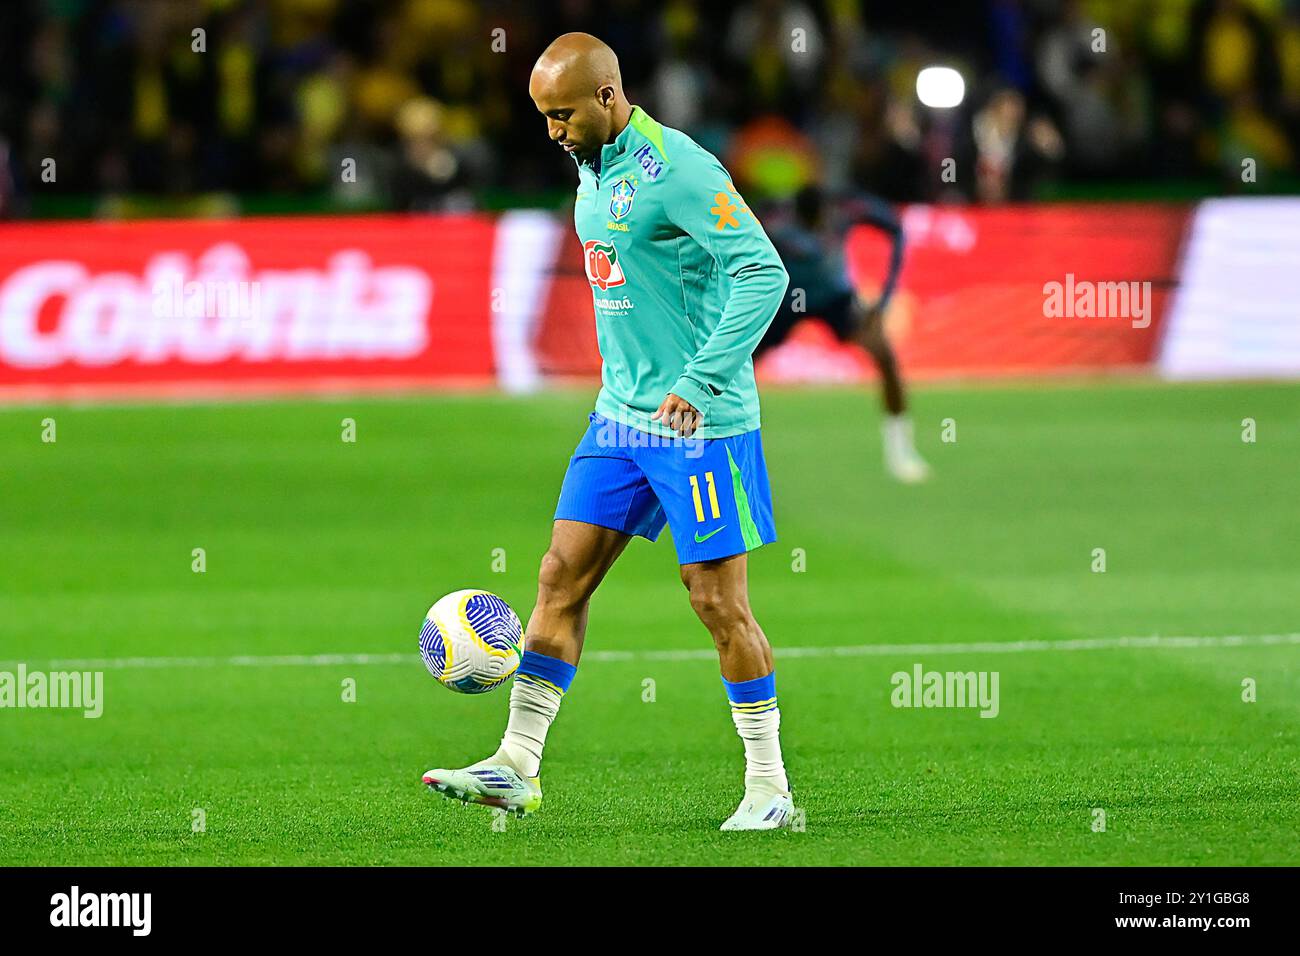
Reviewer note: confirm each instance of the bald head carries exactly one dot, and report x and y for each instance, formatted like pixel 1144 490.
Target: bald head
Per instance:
pixel 579 59
pixel 576 85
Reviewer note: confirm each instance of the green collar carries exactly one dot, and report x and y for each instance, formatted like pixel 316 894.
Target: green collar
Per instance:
pixel 640 126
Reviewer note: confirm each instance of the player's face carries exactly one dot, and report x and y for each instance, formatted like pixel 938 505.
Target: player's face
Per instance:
pixel 579 122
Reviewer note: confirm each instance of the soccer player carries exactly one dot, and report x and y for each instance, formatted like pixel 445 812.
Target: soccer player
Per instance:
pixel 810 245
pixel 685 282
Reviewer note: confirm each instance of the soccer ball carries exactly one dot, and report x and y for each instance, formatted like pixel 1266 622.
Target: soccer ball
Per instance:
pixel 471 641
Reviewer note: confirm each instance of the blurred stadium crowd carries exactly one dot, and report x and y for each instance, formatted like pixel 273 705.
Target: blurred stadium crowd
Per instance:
pixel 432 104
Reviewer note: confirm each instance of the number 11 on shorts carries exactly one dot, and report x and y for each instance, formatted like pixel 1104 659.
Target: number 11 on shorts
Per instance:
pixel 713 496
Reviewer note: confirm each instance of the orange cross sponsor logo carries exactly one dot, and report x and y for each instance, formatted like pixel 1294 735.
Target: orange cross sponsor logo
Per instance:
pixel 726 208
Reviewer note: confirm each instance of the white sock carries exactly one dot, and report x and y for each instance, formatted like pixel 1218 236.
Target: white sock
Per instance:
pixel 764 769
pixel 533 707
pixel 896 430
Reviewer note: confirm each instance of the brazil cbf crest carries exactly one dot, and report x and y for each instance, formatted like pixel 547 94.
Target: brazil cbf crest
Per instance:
pixel 620 199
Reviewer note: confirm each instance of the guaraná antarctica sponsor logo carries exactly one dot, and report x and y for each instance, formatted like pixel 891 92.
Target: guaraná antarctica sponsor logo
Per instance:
pixel 604 270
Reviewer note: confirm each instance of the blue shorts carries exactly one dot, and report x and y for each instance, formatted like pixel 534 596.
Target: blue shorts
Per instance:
pixel 713 491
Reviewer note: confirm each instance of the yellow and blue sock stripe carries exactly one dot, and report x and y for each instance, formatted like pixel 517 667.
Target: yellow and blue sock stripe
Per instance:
pixel 756 696
pixel 549 673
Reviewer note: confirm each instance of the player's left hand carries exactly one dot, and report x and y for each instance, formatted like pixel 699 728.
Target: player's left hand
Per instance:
pixel 679 415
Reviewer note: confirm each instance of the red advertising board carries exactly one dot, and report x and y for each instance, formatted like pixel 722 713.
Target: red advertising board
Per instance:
pixel 283 304
pixel 1007 291
pixel 375 302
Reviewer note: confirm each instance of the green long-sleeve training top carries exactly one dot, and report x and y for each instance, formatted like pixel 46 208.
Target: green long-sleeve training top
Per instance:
pixel 684 279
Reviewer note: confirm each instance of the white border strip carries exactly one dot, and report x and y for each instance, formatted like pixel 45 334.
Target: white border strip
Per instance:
pixel 701 654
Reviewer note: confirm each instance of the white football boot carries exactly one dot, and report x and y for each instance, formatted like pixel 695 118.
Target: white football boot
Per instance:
pixel 491 784
pixel 761 810
pixel 903 462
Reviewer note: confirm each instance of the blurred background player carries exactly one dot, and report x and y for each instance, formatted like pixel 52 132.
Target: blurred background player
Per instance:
pixel 810 241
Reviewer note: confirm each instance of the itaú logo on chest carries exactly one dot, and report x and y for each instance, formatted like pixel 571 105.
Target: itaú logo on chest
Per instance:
pixel 603 266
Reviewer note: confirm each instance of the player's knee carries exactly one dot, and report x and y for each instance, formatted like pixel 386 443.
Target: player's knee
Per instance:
pixel 719 610
pixel 559 587
pixel 880 349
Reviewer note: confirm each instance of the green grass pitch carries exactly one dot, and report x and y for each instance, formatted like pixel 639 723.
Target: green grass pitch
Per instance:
pixel 316 546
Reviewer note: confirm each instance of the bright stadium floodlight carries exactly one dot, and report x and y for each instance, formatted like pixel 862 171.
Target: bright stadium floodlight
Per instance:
pixel 940 87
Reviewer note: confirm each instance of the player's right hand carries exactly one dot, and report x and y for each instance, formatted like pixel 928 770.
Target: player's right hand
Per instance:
pixel 679 415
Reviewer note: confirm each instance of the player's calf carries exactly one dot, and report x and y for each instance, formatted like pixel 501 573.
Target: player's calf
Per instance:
pixel 719 597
